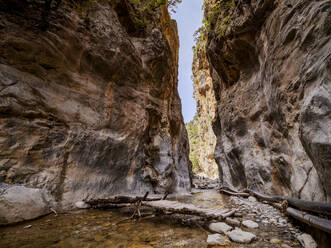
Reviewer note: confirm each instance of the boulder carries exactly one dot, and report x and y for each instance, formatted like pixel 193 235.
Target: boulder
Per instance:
pixel 19 203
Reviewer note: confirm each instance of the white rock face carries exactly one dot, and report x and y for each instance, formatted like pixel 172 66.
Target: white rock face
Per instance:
pixel 307 241
pixel 217 239
pixel 250 224
pixel 220 227
pixel 240 236
pixel 19 203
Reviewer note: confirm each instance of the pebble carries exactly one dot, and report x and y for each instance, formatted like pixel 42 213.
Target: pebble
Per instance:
pixel 240 236
pixel 220 227
pixel 81 205
pixel 232 221
pixel 252 199
pixel 217 239
pixel 307 241
pixel 275 241
pixel 285 246
pixel 250 224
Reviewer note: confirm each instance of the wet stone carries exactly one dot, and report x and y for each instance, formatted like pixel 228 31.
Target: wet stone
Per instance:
pixel 220 227
pixel 241 236
pixel 232 221
pixel 217 239
pixel 252 199
pixel 307 241
pixel 250 224
pixel 275 241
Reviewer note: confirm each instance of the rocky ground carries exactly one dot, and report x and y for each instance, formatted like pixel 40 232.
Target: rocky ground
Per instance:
pixel 254 222
pixel 251 222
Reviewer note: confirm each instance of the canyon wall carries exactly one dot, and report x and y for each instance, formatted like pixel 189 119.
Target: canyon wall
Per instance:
pixel 200 130
pixel 271 68
pixel 88 99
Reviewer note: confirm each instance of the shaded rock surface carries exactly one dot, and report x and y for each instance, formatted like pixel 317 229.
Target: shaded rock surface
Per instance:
pixel 88 99
pixel 19 203
pixel 270 65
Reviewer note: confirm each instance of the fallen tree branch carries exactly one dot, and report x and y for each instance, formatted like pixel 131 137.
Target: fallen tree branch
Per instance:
pixel 316 207
pixel 316 222
pixel 230 192
pixel 175 207
pixel 119 199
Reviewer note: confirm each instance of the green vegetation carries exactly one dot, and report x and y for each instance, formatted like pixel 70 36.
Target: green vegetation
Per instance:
pixel 193 134
pixel 154 4
pixel 217 18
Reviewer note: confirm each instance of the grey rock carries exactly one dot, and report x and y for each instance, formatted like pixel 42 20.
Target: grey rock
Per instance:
pixel 273 131
pixel 241 236
pixel 82 205
pixel 307 241
pixel 220 227
pixel 217 239
pixel 285 246
pixel 19 203
pixel 250 224
pixel 232 221
pixel 102 119
pixel 252 199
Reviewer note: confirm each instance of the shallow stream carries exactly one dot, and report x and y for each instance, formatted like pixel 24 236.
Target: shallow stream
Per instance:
pixel 106 228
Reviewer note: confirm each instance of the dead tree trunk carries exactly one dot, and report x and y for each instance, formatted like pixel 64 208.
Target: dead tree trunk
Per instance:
pixel 315 207
pixel 316 222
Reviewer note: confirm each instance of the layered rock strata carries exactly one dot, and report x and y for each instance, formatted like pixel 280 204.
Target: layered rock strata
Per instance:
pixel 88 99
pixel 271 68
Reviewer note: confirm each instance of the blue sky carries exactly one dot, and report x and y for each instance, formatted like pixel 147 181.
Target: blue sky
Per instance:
pixel 189 18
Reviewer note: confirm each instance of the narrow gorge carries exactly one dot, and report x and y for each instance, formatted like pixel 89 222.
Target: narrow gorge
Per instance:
pixel 269 62
pixel 93 140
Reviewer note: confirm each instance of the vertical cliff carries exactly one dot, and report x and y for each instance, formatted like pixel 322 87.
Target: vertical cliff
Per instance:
pixel 271 68
pixel 88 98
pixel 201 135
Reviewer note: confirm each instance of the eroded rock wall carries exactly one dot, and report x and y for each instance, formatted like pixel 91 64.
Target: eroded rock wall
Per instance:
pixel 201 134
pixel 88 99
pixel 271 68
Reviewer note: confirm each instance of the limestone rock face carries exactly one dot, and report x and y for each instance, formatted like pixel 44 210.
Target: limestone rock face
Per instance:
pixel 271 68
pixel 201 134
pixel 88 99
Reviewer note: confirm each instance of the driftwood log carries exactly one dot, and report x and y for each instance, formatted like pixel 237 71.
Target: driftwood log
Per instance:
pixel 175 207
pixel 315 207
pixel 316 222
pixel 229 191
pixel 119 201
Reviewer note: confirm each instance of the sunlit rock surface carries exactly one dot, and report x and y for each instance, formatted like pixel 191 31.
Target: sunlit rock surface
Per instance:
pixel 270 63
pixel 200 130
pixel 88 103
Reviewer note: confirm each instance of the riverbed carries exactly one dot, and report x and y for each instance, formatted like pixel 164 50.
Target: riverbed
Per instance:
pixel 112 228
